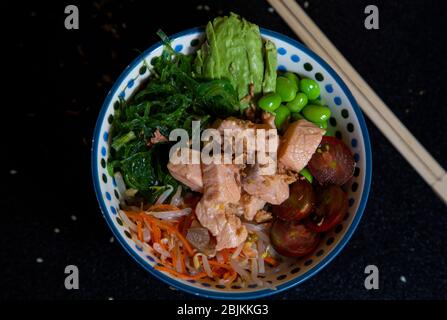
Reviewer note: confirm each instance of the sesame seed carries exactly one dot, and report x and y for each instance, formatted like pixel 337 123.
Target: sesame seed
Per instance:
pixel 199 7
pixel 271 10
pixel 39 260
pixel 206 8
pixel 57 230
pixel 110 298
pixel 13 172
pixel 306 4
pixel 403 279
pixel 421 92
pixel 73 217
pixel 112 239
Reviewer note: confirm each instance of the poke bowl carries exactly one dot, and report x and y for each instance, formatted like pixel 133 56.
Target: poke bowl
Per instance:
pixel 346 123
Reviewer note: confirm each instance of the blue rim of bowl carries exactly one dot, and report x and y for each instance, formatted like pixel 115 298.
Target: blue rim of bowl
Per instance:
pixel 235 295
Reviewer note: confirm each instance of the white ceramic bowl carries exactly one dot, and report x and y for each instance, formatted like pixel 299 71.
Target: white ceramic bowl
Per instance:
pixel 347 123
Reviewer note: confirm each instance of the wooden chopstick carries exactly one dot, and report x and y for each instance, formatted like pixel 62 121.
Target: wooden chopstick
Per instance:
pixel 370 103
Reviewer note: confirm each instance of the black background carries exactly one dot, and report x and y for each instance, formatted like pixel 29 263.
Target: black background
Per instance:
pixel 58 80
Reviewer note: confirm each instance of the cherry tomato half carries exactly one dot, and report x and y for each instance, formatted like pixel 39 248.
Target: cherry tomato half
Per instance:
pixel 299 204
pixel 292 238
pixel 332 163
pixel 332 204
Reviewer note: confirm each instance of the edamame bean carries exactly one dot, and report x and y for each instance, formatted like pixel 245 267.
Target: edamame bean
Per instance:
pixel 322 125
pixel 285 88
pixel 297 104
pixel 310 88
pixel 269 102
pixel 281 115
pixel 306 174
pixel 296 116
pixel 317 102
pixel 293 78
pixel 316 114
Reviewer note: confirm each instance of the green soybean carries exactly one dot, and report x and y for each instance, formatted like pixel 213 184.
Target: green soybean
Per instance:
pixel 270 102
pixel 306 174
pixel 297 104
pixel 317 102
pixel 322 125
pixel 281 115
pixel 310 88
pixel 285 88
pixel 293 78
pixel 316 114
pixel 296 116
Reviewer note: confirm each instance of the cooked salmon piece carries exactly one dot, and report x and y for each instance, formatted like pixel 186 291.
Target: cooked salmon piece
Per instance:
pixel 221 183
pixel 233 123
pixel 263 216
pixel 247 206
pixel 298 144
pixel 225 226
pixel 250 205
pixel 233 234
pixel 273 189
pixel 188 174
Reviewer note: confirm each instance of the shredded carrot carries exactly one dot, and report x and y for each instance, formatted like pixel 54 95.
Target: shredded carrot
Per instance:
pixel 163 207
pixel 181 275
pixel 156 232
pixel 136 216
pixel 226 253
pixel 140 231
pixel 169 228
pixel 219 265
pixel 182 260
pixel 271 261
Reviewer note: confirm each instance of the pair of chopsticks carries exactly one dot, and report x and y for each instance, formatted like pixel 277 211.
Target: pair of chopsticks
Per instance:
pixel 370 103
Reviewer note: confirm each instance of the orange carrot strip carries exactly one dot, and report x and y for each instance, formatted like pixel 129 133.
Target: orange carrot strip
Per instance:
pixel 181 275
pixel 225 254
pixel 169 228
pixel 136 216
pixel 271 261
pixel 220 265
pixel 182 260
pixel 156 232
pixel 162 207
pixel 140 231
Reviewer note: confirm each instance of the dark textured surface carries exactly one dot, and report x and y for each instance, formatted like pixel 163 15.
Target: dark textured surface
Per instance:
pixel 61 78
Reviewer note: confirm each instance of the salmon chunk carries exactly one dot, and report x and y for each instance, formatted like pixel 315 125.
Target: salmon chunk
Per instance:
pixel 188 174
pixel 298 144
pixel 273 189
pixel 221 183
pixel 250 205
pixel 225 226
